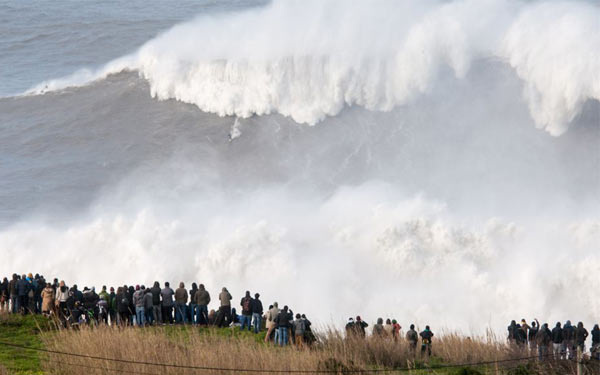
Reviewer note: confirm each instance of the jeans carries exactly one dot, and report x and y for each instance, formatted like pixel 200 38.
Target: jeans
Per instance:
pixel 256 318
pixel 180 309
pixel 140 315
pixel 283 336
pixel 245 319
pixel 157 314
pixel 149 316
pixel 201 314
pixel 192 313
pixel 14 304
pixel 167 314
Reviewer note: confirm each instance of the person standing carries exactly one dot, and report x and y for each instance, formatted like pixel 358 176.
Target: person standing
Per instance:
pixel 192 310
pixel 14 295
pixel 581 335
pixel 361 327
pixel 4 295
pixel 283 324
pixel 569 340
pixel 47 300
pixel 272 314
pixel 378 330
pixel 544 339
pixel 202 300
pixel 224 316
pixel 23 288
pixel 557 341
pixel 166 295
pixel 112 306
pixel 138 302
pixel 156 306
pixel 413 339
pixel 299 330
pixel 426 338
pixel 533 330
pixel 595 343
pixel 246 304
pixel 181 299
pixel 148 307
pixel 257 312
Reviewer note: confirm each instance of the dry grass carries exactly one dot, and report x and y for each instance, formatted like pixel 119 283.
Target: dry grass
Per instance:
pixel 213 348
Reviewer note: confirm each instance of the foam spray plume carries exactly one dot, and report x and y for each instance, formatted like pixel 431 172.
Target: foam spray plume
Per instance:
pixel 451 175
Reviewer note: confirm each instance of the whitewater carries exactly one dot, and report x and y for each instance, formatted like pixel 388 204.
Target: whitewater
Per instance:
pixel 433 161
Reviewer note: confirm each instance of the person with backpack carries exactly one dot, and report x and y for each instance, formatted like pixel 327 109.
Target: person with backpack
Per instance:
pixel 166 295
pixel 246 304
pixel 426 338
pixel 257 312
pixel 413 339
pixel 123 305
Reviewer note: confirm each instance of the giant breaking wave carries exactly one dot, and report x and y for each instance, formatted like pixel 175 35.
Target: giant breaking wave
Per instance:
pixel 309 59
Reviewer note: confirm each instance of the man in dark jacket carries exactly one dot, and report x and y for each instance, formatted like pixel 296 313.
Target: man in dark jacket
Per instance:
pixel 23 288
pixel 156 308
pixel 569 340
pixel 533 330
pixel 512 332
pixel 360 326
pixel 112 306
pixel 283 324
pixel 257 312
pixel 581 335
pixel 246 304
pixel 13 294
pixel 557 341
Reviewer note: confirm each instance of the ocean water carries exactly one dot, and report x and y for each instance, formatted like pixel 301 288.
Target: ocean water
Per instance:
pixel 434 162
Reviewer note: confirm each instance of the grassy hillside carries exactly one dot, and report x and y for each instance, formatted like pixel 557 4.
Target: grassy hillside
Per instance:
pixel 228 348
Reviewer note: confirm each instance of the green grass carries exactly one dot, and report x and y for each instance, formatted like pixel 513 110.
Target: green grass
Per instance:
pixel 28 331
pixel 22 331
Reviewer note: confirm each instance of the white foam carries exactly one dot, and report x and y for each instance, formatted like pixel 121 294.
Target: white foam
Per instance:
pixel 309 59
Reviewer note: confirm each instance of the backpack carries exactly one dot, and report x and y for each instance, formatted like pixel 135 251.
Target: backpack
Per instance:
pixel 246 305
